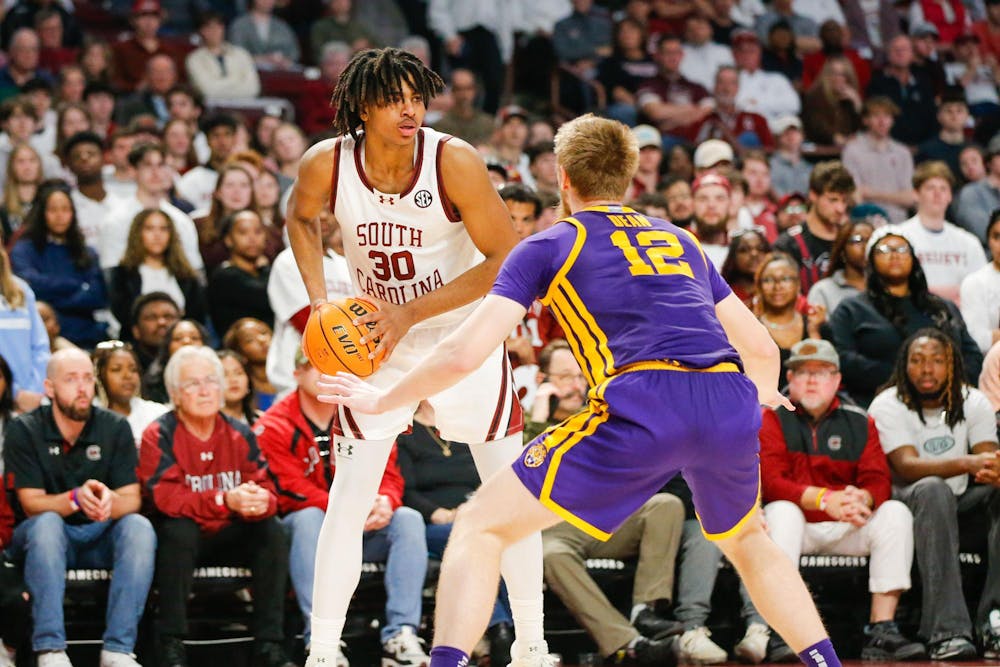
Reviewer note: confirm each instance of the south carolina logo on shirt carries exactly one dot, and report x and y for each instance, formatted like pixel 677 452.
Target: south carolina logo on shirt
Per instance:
pixel 94 453
pixel 535 456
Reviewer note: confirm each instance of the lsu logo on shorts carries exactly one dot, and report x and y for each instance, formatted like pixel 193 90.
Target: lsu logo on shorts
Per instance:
pixel 535 456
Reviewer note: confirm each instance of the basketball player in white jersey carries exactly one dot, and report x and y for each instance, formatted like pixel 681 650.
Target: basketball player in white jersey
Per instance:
pixel 424 234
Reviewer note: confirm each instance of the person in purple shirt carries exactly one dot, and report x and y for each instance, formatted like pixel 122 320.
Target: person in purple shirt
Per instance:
pixel 676 367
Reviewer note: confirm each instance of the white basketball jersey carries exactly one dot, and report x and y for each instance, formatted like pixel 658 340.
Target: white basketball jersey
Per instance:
pixel 400 246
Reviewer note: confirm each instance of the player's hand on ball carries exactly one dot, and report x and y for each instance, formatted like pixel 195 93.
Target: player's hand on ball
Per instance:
pixel 391 324
pixel 350 391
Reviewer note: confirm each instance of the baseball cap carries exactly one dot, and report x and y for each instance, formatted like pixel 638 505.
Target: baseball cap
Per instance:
pixel 512 111
pixel 813 349
pixel 647 136
pixel 740 36
pixel 924 29
pixel 146 7
pixel 710 179
pixel 711 152
pixel 783 123
pixel 789 198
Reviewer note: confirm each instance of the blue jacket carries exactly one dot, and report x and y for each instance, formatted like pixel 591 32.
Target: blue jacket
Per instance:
pixel 73 293
pixel 24 343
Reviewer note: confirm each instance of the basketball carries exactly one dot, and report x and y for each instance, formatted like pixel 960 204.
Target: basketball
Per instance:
pixel 331 340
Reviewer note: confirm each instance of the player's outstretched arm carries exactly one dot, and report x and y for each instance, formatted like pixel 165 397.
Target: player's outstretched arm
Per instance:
pixel 310 195
pixel 452 359
pixel 761 359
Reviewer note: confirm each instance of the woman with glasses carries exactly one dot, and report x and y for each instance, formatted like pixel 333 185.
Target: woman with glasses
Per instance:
pixel 116 367
pixel 868 329
pixel 846 275
pixel 778 298
pixel 747 249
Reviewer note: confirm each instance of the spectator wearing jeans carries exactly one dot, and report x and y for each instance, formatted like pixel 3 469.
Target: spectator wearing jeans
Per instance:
pixel 295 435
pixel 213 502
pixel 826 489
pixel 940 436
pixel 71 467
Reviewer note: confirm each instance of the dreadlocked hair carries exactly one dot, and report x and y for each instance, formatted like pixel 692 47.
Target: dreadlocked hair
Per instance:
pixel 953 394
pixel 891 307
pixel 372 78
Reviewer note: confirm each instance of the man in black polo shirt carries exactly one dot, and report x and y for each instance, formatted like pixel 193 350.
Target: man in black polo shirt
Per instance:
pixel 72 468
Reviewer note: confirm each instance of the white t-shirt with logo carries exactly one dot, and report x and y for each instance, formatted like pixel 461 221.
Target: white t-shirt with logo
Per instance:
pixel 898 426
pixel 947 256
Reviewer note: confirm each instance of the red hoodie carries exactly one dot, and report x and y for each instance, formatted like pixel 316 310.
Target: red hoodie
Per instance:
pixel 304 474
pixel 6 518
pixel 183 476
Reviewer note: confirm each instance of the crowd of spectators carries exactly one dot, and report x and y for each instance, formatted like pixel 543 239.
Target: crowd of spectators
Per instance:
pixel 839 163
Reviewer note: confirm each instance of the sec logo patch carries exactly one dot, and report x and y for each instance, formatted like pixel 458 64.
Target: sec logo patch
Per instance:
pixel 423 198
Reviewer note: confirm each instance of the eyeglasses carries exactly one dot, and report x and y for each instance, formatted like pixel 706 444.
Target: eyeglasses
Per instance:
pixel 818 373
pixel 886 249
pixel 794 208
pixel 783 280
pixel 208 382
pixel 569 377
pixel 857 239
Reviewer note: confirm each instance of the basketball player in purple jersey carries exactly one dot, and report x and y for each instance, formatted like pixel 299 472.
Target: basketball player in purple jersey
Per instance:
pixel 424 233
pixel 677 367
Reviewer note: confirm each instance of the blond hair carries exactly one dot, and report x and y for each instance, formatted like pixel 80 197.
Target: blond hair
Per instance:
pixel 925 171
pixel 10 197
pixel 599 155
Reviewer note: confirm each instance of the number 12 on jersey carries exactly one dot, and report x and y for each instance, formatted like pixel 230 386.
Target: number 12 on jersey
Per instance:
pixel 663 251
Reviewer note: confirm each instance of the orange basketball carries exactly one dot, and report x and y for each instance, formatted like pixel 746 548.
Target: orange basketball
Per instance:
pixel 331 340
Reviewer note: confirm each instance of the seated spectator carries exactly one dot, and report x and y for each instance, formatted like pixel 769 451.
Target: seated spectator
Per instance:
pixel 53 260
pixel 72 117
pixel 97 61
pixel 22 65
pixel 927 57
pixel 179 334
pixel 712 205
pixel 881 166
pixel 340 25
pixel 151 314
pixel 286 294
pixel 670 102
pixel 268 38
pixel 766 93
pixel 625 71
pixel 116 370
pixel 972 164
pixel 23 176
pixel 980 293
pixel 702 56
pixel 52 328
pixel 178 146
pixel 777 305
pixel 680 163
pixel 647 175
pixel 131 56
pixel 727 122
pixel 238 287
pixel 989 380
pixel 978 79
pixel 267 192
pixel 747 249
pixel 792 211
pixel 780 55
pixel 152 178
pixel 988 32
pixel 71 84
pixel 233 193
pixel 218 68
pixel 39 93
pixel 198 184
pixel 680 202
pixel 287 146
pixel 26 13
pixel 118 174
pixel 8 410
pixel 759 200
pixel 507 146
pixel 846 272
pixel 72 470
pixel 868 329
pixel 150 99
pixel 834 40
pixel 789 170
pixel 187 104
pixel 83 154
pixel 393 534
pixel 947 252
pixel 15 610
pixel 948 144
pixel 465 119
pixel 19 120
pixel 940 436
pixel 217 509
pixel 237 393
pixel 830 189
pixel 806 30
pixel 154 262
pixel 978 199
pixel 252 338
pixel 831 107
pixel 826 489
pixel 912 94
pixel 23 339
pixel 871 27
pixel 949 17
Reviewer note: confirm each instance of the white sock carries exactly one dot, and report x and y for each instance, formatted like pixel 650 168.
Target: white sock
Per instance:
pixel 520 563
pixel 338 552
